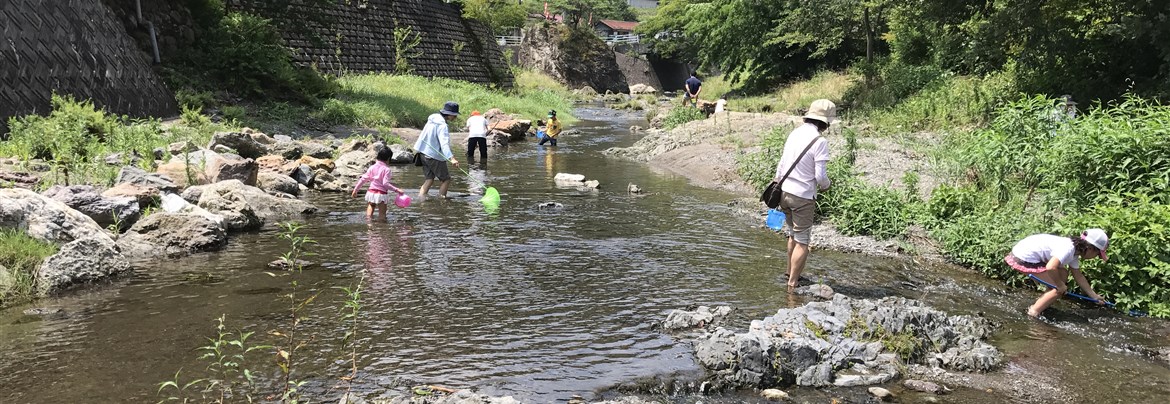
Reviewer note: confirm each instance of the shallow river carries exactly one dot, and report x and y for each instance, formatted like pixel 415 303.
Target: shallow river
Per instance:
pixel 540 304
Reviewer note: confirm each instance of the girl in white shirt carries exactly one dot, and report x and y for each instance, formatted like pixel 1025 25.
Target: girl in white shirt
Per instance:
pixel 1047 256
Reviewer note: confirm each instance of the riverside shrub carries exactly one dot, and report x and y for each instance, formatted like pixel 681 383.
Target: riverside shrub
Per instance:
pixel 1137 274
pixel 20 258
pixel 682 115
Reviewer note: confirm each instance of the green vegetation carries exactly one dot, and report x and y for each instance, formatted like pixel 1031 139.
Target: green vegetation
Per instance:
pixel 1026 172
pixel 578 12
pixel 1043 46
pixel 499 15
pixel 20 258
pixel 385 100
pixel 85 145
pixel 242 53
pixel 682 115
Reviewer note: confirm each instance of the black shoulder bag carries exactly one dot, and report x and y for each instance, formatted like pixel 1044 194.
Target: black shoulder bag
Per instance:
pixel 772 193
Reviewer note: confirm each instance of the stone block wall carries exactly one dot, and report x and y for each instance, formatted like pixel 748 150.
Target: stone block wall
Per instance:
pixel 358 36
pixel 75 47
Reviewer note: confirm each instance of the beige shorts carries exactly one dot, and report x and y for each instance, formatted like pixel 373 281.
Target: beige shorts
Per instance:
pixel 800 214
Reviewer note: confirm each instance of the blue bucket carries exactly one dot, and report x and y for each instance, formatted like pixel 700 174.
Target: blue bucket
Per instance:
pixel 540 134
pixel 775 219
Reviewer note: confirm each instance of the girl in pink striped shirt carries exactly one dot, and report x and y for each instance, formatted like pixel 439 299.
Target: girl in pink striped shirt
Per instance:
pixel 378 176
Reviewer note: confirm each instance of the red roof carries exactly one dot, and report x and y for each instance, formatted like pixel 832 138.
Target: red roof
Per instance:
pixel 620 25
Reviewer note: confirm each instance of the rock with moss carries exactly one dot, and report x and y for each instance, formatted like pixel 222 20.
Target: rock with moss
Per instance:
pixel 845 342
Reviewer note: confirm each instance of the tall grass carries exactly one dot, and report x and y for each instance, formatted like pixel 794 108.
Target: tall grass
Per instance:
pixel 77 138
pixel 20 258
pixel 795 97
pixel 385 100
pixel 948 102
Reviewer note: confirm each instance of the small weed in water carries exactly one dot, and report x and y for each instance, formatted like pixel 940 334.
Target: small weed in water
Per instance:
pixel 227 378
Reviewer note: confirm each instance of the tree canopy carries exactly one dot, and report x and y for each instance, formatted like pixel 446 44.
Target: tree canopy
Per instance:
pixel 1096 49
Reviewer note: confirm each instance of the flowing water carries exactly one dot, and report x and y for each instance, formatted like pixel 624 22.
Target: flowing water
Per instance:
pixel 538 303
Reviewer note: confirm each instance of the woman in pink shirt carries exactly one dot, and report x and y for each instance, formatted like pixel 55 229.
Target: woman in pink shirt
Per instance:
pixel 378 176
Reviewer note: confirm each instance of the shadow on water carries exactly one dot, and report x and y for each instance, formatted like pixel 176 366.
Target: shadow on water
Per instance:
pixel 552 295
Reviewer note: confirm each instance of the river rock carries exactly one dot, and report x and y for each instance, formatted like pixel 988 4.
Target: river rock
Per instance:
pixel 774 394
pixel 274 182
pixel 701 317
pixel 881 394
pixel 924 386
pixel 302 174
pixel 173 203
pixel 146 197
pixel 823 292
pixel 260 137
pixel 566 177
pixel 247 207
pixel 352 164
pixel 517 129
pixel 86 252
pixel 275 164
pixel 289 150
pixel 316 150
pixel 45 218
pixel 232 167
pixel 140 178
pixel 324 181
pixel 80 261
pixel 402 155
pixel 243 144
pixel 459 397
pixel 178 148
pixel 498 139
pixel 105 210
pixel 173 235
pixel 642 89
pixel 356 144
pixel 318 164
pixel 118 159
pixel 836 342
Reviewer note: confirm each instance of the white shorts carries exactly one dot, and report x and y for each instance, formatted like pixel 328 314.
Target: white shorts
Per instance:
pixel 376 198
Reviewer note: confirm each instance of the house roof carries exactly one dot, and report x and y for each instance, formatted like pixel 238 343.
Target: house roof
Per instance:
pixel 620 25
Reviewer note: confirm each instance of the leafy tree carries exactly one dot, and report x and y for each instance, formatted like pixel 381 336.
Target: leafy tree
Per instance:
pixel 500 15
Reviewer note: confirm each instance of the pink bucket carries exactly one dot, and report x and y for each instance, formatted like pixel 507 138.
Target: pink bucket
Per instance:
pixel 402 201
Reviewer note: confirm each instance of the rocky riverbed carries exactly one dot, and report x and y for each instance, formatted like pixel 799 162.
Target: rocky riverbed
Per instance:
pixel 842 342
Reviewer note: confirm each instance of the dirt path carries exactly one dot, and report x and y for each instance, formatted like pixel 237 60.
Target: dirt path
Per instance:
pixel 705 152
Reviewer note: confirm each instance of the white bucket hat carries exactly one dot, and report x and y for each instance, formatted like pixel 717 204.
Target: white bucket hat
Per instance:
pixel 1099 239
pixel 822 110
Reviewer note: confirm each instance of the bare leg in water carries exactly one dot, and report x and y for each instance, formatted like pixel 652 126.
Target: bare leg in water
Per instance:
pixel 797 255
pixel 426 187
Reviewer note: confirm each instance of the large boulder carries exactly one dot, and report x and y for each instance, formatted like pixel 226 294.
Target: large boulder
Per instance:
pixel 243 143
pixel 402 155
pixel 207 167
pixel 173 235
pixel 247 207
pixel 145 196
pixel 844 342
pixel 122 211
pixel 86 251
pixel 316 150
pixel 80 261
pixel 516 129
pixel 574 56
pixel 140 178
pixel 233 167
pixel 273 182
pixel 318 164
pixel 352 164
pixel 45 218
pixel 273 164
pixel 642 89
